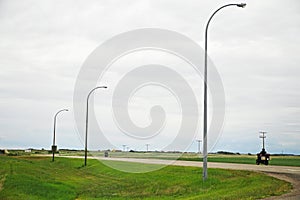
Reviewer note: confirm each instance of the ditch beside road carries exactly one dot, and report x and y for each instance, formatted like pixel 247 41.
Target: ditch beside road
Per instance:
pixel 286 173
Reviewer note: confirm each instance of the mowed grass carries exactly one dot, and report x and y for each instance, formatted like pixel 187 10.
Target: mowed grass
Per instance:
pixel 39 178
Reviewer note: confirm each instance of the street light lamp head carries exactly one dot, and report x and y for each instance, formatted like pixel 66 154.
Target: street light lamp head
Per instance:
pixel 242 5
pixel 103 87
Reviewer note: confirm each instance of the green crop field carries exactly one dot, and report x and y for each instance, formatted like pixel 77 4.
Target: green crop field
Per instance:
pixel 33 177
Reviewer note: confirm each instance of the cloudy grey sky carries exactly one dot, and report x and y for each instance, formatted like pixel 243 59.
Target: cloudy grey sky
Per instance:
pixel 43 45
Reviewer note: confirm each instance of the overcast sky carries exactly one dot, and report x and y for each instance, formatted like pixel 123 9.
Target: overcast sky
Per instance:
pixel 43 45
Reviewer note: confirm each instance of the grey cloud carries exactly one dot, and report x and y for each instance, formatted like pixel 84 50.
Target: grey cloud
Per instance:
pixel 44 43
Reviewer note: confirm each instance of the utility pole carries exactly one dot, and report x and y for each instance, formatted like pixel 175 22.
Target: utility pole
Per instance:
pixel 147 145
pixel 263 137
pixel 199 141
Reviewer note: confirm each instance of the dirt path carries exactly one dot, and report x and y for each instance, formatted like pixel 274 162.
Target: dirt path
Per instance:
pixel 292 178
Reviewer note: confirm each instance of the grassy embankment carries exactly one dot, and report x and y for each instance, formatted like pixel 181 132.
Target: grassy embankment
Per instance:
pixel 39 178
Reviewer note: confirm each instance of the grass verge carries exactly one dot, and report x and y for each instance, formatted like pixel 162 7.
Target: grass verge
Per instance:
pixel 66 178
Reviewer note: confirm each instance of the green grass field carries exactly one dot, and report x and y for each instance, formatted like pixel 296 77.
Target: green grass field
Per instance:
pixel 35 177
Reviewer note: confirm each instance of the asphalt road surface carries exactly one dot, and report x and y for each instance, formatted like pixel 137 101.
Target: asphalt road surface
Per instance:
pixel 290 174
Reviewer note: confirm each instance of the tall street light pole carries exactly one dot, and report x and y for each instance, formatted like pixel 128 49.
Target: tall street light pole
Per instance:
pixel 86 121
pixel 54 147
pixel 242 5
